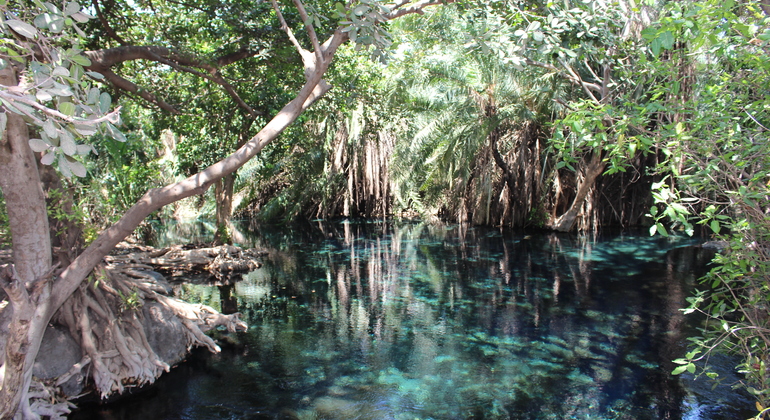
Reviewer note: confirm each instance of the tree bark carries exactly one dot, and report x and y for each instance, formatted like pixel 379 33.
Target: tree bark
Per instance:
pixel 566 221
pixel 223 194
pixel 25 281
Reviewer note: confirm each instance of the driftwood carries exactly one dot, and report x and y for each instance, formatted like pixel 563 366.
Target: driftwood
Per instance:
pixel 224 263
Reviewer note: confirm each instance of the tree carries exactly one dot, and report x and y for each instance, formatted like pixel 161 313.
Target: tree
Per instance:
pixel 35 285
pixel 714 56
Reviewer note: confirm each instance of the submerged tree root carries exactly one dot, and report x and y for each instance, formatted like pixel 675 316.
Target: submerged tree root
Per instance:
pixel 106 316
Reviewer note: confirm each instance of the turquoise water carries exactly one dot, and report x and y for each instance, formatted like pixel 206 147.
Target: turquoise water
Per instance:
pixel 416 321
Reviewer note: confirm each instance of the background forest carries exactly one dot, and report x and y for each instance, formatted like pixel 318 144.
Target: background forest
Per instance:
pixel 571 116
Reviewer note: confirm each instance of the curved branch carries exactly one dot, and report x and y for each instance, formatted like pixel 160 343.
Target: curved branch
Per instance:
pixel 102 60
pixel 310 29
pixel 112 117
pixel 106 25
pixel 129 86
pixel 415 8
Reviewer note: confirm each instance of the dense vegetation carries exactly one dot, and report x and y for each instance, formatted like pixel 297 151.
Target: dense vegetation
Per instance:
pixel 569 116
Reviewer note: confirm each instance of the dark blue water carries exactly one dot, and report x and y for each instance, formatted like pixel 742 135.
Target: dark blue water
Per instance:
pixel 417 321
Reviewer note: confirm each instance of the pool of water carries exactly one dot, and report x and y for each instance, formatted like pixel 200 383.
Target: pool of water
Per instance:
pixel 376 320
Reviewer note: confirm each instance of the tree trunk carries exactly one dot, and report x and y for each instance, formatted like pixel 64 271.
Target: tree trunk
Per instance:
pixel 223 194
pixel 32 296
pixel 566 221
pixel 25 281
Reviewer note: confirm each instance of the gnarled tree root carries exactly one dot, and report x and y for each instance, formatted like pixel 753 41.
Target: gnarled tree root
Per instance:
pixel 106 318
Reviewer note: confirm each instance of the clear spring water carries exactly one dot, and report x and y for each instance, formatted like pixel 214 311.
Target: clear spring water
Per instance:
pixel 378 320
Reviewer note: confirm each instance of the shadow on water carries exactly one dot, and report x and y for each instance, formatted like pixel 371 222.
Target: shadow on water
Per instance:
pixel 376 320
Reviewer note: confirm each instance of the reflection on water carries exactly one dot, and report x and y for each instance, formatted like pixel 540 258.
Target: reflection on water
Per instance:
pixel 417 321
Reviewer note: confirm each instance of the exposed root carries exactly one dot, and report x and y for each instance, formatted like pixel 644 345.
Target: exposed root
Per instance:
pixel 44 403
pixel 107 318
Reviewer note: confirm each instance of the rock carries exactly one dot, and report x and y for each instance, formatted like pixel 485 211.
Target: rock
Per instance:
pixel 165 333
pixel 58 353
pixel 715 245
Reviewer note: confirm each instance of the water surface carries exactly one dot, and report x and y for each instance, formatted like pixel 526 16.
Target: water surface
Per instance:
pixel 377 320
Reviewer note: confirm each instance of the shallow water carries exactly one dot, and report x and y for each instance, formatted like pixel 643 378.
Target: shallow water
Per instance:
pixel 415 321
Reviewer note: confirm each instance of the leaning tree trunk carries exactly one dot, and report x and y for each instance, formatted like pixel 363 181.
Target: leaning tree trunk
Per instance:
pixel 566 221
pixel 27 282
pixel 33 293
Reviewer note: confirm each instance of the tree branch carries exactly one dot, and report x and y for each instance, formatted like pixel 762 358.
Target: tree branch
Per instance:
pixel 416 8
pixel 106 25
pixel 112 117
pixel 129 86
pixel 102 60
pixel 307 57
pixel 310 30
pixel 156 198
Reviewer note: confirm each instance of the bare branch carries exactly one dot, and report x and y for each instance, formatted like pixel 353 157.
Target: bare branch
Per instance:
pixel 587 87
pixel 129 86
pixel 415 8
pixel 106 25
pixel 102 60
pixel 310 30
pixel 214 76
pixel 285 27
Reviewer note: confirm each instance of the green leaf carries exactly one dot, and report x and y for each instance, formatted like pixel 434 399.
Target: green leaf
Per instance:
pixel 81 60
pixel 48 158
pixel 81 17
pixel 85 130
pixel 105 102
pixel 667 40
pixel 77 168
pixel 38 145
pixel 68 145
pixel 95 75
pixel 67 108
pixel 50 129
pixel 43 20
pixel 60 71
pixel 64 167
pixel 84 149
pixel 22 28
pixel 115 133
pixel 57 26
pixel 71 8
pixel 715 227
pixel 679 370
pixel 655 46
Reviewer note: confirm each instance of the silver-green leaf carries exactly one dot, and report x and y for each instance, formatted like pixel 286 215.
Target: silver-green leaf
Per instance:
pixel 38 145
pixel 68 145
pixel 22 28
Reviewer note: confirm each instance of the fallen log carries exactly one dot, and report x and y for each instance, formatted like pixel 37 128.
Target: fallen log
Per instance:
pixel 224 263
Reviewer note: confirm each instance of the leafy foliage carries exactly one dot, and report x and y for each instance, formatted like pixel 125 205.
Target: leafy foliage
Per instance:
pixel 57 95
pixel 717 170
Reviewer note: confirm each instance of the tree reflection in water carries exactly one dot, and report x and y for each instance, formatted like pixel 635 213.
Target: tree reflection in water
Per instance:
pixel 390 321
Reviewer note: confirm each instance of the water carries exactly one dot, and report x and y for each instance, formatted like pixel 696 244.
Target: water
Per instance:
pixel 416 321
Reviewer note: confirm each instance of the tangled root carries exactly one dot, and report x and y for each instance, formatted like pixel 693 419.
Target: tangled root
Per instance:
pixel 105 316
